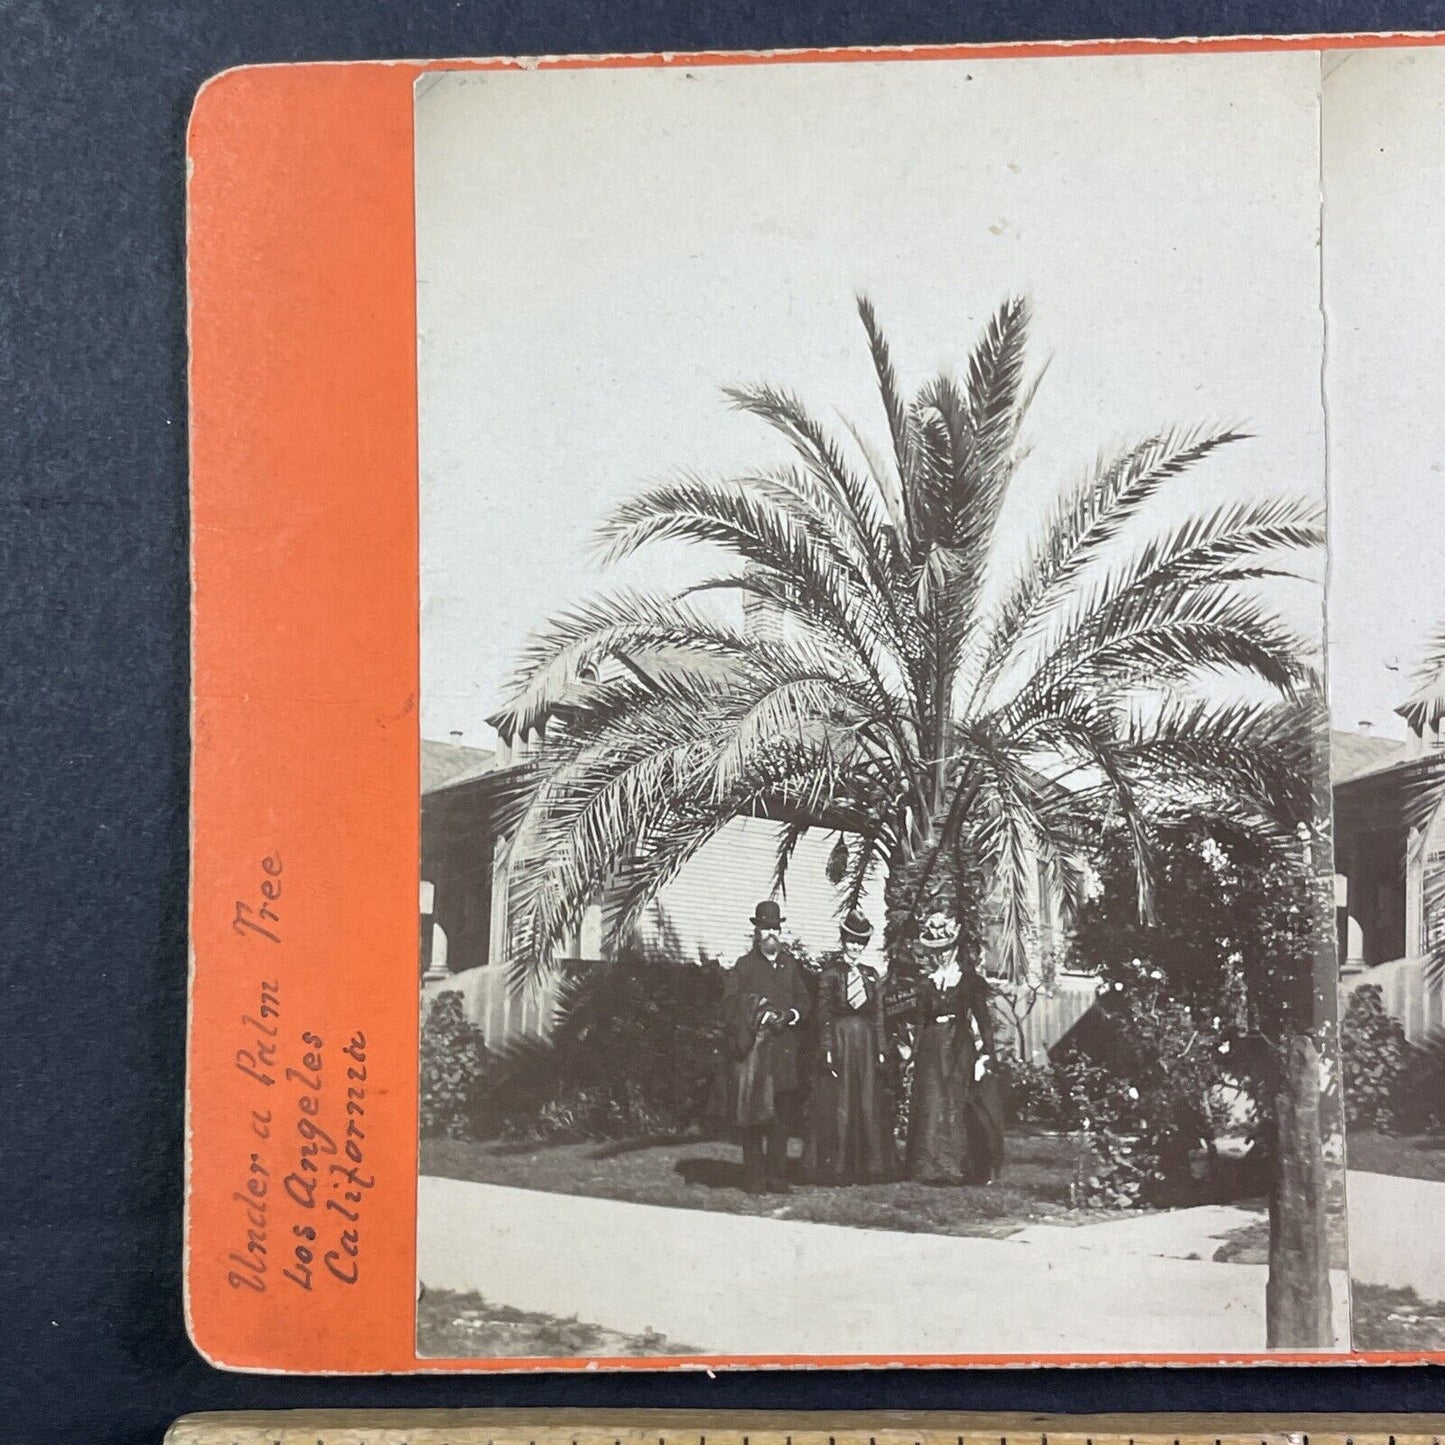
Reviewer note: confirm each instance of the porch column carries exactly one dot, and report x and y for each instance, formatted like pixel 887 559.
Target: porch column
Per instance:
pixel 1352 936
pixel 1414 894
pixel 497 938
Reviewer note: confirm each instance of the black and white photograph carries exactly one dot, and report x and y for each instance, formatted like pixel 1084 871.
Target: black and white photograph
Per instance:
pixel 1384 155
pixel 876 891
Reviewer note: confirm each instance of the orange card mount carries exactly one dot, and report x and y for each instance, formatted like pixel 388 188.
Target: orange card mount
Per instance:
pixel 303 1104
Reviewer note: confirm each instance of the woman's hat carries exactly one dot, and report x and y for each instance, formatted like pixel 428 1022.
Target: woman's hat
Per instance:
pixel 856 928
pixel 938 931
pixel 767 915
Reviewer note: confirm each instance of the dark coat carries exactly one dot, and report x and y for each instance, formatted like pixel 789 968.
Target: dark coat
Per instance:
pixel 766 1060
pixel 833 1000
pixel 956 1125
pixel 850 1137
pixel 967 998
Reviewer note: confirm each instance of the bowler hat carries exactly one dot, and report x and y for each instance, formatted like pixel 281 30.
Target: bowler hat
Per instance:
pixel 856 928
pixel 939 931
pixel 767 915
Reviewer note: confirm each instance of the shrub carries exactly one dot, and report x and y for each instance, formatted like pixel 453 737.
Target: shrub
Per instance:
pixel 1377 1061
pixel 636 1051
pixel 453 1064
pixel 1148 1096
pixel 1032 1090
pixel 1419 1102
pixel 1202 1001
pixel 1144 1141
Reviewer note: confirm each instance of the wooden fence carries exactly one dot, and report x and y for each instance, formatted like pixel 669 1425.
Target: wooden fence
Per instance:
pixel 1051 1016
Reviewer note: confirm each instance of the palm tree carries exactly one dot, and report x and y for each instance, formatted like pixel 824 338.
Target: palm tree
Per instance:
pixel 957 722
pixel 1425 707
pixel 1424 710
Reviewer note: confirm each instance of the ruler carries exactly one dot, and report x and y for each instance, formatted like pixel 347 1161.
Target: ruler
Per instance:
pixel 722 1427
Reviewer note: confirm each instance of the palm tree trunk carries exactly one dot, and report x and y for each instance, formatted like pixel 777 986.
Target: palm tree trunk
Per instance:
pixel 1298 1303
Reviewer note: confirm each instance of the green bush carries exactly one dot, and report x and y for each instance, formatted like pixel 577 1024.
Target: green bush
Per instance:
pixel 1420 1098
pixel 1032 1090
pixel 1202 999
pixel 1377 1062
pixel 636 1051
pixel 1148 1096
pixel 453 1064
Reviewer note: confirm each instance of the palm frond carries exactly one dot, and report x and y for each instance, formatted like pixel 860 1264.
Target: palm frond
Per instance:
pixel 794 796
pixel 866 507
pixel 804 569
pixel 807 710
pixel 894 405
pixel 1080 726
pixel 866 850
pixel 578 641
pixel 665 723
pixel 1425 791
pixel 997 399
pixel 1165 637
pixel 744 516
pixel 1083 524
pixel 789 836
pixel 962 470
pixel 1228 544
pixel 821 456
pixel 890 488
pixel 1010 847
pixel 1261 754
pixel 1425 706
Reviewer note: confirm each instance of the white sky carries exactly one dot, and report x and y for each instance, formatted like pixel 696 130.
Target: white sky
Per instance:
pixel 1384 286
pixel 600 251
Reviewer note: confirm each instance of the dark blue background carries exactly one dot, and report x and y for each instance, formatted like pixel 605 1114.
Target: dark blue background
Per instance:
pixel 93 677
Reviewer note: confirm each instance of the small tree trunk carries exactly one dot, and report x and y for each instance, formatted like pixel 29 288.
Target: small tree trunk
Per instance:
pixel 1298 1306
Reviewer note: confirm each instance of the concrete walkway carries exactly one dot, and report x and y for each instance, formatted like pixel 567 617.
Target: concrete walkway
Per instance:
pixel 1172 1234
pixel 1395 1234
pixel 738 1284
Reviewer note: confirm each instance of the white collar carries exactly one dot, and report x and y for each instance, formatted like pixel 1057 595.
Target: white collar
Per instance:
pixel 945 975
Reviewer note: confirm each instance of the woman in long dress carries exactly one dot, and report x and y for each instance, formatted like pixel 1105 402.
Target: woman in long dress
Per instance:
pixel 850 1107
pixel 955 1132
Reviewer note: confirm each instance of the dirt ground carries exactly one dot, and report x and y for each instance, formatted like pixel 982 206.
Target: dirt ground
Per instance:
pixel 1396 1319
pixel 450 1325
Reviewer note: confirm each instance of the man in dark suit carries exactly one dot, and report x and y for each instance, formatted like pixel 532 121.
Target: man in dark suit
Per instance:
pixel 765 999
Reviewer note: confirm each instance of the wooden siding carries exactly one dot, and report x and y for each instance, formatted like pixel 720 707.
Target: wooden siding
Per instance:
pixel 706 911
pixel 501 1015
pixel 488 1003
pixel 1406 995
pixel 709 903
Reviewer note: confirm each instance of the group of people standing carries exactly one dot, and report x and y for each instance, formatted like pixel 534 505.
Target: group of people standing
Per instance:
pixel 811 1051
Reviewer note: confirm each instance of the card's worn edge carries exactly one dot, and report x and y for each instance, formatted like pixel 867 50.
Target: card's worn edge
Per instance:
pixel 428 70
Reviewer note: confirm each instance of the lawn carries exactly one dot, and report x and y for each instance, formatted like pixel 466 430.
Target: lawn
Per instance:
pixel 1412 1157
pixel 1386 1318
pixel 707 1174
pixel 452 1326
pixel 1395 1319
